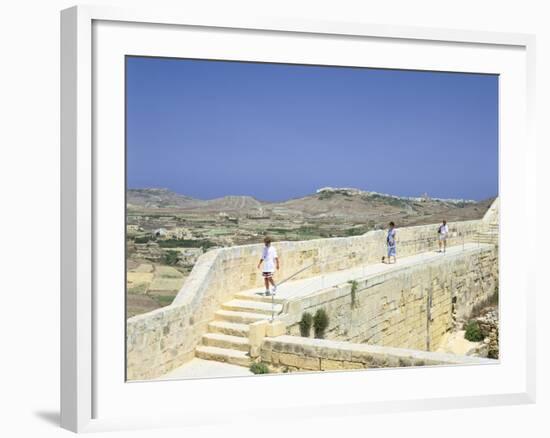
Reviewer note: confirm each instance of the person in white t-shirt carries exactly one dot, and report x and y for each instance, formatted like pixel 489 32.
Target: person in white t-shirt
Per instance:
pixel 443 232
pixel 271 262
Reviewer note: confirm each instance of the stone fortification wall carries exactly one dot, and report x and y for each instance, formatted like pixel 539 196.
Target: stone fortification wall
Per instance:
pixel 409 307
pixel 306 354
pixel 165 338
pixel 491 216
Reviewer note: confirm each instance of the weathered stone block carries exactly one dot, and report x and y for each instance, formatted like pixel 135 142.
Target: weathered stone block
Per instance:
pixel 257 332
pixel 329 364
pixel 301 362
pixel 275 328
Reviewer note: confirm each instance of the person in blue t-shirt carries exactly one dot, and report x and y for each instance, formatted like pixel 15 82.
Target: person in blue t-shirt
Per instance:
pixel 390 242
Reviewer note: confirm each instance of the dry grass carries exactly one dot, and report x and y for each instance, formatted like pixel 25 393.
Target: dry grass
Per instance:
pixel 131 264
pixel 144 267
pixel 151 286
pixel 138 304
pixel 167 272
pixel 138 282
pixel 164 285
pixel 164 300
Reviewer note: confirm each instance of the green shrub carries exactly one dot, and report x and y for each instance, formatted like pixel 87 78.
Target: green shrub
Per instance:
pixel 307 231
pixel 493 299
pixel 186 243
pixel 171 257
pixel 305 324
pixel 473 332
pixel 143 239
pixel 320 323
pixel 164 300
pixel 259 368
pixel 356 231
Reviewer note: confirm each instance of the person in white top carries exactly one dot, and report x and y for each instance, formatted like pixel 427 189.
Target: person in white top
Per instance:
pixel 443 232
pixel 271 262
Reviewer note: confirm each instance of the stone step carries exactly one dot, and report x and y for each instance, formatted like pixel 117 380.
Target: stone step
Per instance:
pixel 226 341
pixel 240 317
pixel 252 306
pixel 258 298
pixel 229 328
pixel 223 355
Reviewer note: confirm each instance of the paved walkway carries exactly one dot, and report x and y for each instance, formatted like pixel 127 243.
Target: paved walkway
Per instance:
pixel 304 287
pixel 200 368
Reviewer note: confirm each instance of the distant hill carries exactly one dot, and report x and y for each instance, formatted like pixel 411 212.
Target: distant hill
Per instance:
pixel 355 204
pixel 153 198
pixel 230 203
pixel 159 198
pixel 328 203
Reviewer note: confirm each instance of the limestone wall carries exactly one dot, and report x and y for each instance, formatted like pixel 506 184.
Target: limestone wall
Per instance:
pixel 165 338
pixel 237 265
pixel 491 216
pixel 408 307
pixel 306 354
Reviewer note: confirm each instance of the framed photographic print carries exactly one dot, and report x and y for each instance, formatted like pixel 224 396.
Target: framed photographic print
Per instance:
pixel 292 207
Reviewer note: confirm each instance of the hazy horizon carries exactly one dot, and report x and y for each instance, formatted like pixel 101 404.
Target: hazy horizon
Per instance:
pixel 208 129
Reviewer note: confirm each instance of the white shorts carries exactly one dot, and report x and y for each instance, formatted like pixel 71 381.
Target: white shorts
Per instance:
pixel 443 236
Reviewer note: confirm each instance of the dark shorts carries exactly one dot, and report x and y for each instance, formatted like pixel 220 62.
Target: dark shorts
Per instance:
pixel 267 274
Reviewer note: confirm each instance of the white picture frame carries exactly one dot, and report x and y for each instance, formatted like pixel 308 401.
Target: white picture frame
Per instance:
pixel 84 380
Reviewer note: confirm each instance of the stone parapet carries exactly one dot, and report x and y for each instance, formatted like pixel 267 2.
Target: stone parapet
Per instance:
pixel 306 354
pixel 410 306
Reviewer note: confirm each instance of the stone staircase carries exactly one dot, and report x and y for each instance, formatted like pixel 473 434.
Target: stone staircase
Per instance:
pixel 227 337
pixel 489 234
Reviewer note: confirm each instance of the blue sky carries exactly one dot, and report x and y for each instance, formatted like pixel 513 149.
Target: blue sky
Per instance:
pixel 274 131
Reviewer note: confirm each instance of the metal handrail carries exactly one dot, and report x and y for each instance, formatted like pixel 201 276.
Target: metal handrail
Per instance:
pixel 460 236
pixel 315 263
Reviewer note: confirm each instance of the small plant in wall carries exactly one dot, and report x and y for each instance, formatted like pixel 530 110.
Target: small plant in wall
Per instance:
pixel 320 323
pixel 259 368
pixel 473 332
pixel 305 324
pixel 353 293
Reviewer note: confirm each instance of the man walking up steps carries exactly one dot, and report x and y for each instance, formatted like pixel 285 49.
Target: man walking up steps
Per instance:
pixel 271 262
